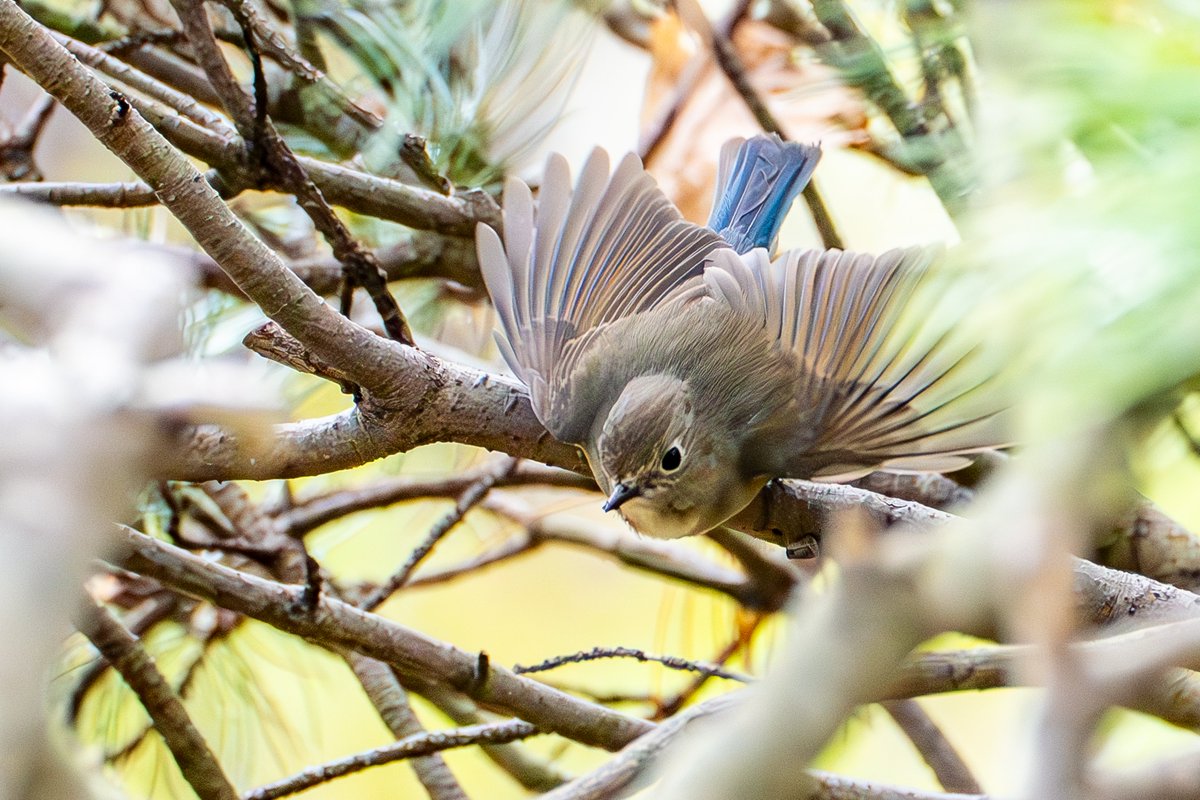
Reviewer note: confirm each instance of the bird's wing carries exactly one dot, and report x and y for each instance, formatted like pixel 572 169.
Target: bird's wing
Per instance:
pixel 612 248
pixel 885 379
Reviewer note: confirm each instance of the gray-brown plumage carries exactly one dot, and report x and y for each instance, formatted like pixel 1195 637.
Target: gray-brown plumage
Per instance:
pixel 691 375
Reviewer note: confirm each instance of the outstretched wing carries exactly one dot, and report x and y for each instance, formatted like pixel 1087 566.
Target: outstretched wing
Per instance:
pixel 884 379
pixel 613 247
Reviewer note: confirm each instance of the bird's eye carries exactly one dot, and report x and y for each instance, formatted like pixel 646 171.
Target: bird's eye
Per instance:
pixel 672 459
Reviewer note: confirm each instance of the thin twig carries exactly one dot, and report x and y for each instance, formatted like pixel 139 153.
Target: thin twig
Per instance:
pixel 597 653
pixel 16 152
pixel 360 266
pixel 353 189
pixel 420 745
pixel 203 42
pixel 510 549
pixel 137 620
pixel 532 771
pixel 184 104
pixel 312 512
pixel 275 47
pixel 667 558
pixel 470 498
pixel 672 706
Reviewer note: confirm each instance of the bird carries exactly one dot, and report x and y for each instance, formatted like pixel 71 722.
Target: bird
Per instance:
pixel 692 367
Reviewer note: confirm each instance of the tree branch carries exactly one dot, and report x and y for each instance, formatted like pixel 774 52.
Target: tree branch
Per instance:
pixel 124 652
pixel 470 497
pixel 254 267
pixel 339 625
pixel 937 751
pixel 420 745
pixel 390 699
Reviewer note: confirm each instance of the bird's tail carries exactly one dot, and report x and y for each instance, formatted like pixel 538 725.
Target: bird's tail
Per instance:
pixel 756 183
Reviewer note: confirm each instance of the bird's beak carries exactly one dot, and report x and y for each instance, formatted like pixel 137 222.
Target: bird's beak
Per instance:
pixel 620 495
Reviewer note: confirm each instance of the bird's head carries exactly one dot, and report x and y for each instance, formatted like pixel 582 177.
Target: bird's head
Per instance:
pixel 668 472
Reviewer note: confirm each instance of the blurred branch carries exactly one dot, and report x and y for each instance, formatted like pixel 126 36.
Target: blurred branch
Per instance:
pixel 1174 696
pixel 132 194
pixel 1170 778
pixel 413 746
pixel 929 137
pixel 1110 597
pixel 1149 542
pixel 664 117
pixel 124 652
pixel 937 751
pixel 16 150
pixel 623 769
pixel 845 642
pixel 827 786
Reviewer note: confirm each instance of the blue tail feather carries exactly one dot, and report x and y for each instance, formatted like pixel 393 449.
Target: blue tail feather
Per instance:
pixel 756 186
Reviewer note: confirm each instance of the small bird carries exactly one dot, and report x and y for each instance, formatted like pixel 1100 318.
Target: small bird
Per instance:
pixel 692 368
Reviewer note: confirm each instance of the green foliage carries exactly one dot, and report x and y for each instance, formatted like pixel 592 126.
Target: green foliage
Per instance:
pixel 1094 161
pixel 482 81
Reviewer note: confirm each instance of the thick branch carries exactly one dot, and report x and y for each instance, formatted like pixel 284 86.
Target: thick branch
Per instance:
pixel 340 625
